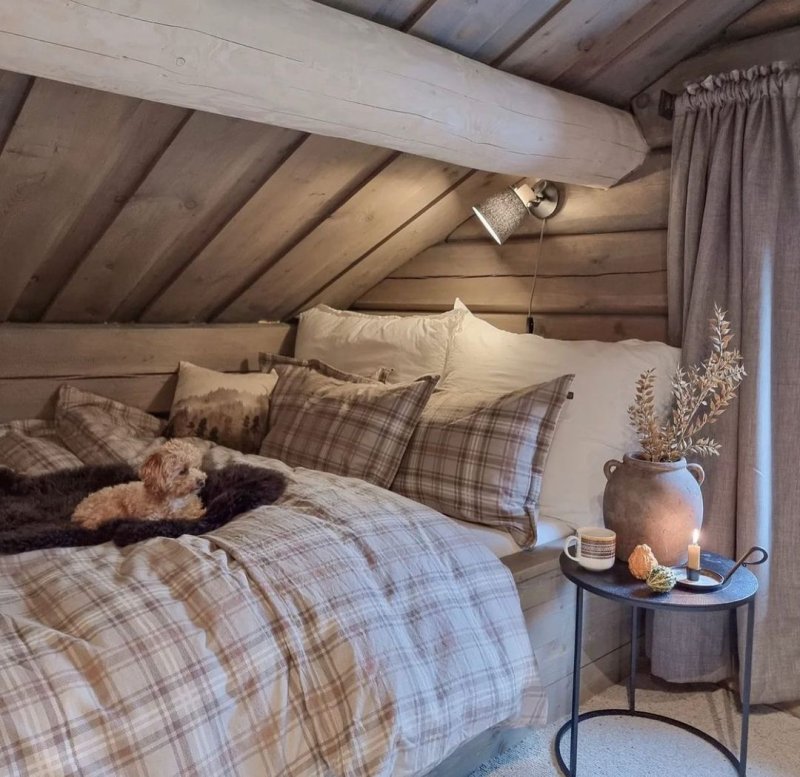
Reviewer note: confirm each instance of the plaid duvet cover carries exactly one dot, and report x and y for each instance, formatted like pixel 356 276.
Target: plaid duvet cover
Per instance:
pixel 343 631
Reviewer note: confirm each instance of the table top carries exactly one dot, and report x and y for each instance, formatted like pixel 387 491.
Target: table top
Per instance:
pixel 619 584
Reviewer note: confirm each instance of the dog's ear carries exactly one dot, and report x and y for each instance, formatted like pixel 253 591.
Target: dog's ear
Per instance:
pixel 153 473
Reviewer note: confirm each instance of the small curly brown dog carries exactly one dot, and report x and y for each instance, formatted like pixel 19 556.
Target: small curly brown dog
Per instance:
pixel 169 488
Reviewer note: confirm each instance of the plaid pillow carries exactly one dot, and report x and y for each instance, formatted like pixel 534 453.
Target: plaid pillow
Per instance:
pixel 268 361
pixel 480 457
pixel 102 431
pixel 34 448
pixel 324 419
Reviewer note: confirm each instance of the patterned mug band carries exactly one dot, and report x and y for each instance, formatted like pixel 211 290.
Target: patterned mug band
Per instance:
pixel 597 547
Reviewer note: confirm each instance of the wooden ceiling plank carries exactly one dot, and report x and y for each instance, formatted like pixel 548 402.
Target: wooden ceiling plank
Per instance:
pixel 390 13
pixel 318 177
pixel 479 30
pixel 452 23
pixel 140 142
pixel 738 55
pixel 317 69
pixel 564 39
pixel 596 53
pixel 628 293
pixel 640 202
pixel 209 170
pixel 428 228
pixel 694 25
pixel 613 252
pixel 71 153
pixel 14 89
pixel 767 16
pixel 281 143
pixel 248 245
pixel 99 211
pixel 390 199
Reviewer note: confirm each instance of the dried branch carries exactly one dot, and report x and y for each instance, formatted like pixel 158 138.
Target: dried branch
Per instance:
pixel 700 395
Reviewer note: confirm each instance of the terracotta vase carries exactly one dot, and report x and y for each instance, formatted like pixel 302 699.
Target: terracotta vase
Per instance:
pixel 657 503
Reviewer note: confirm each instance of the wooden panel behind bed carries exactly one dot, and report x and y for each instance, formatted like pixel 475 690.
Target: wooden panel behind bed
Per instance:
pixel 132 363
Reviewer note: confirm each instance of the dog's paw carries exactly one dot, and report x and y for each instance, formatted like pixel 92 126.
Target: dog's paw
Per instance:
pixel 85 521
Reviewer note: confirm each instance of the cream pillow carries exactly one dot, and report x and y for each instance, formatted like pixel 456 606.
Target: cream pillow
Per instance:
pixel 358 343
pixel 230 409
pixel 593 426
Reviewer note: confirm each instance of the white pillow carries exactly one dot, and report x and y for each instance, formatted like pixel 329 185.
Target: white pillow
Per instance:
pixel 411 346
pixel 593 426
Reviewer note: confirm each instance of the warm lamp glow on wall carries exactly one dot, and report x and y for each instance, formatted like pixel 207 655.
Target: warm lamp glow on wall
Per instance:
pixel 502 213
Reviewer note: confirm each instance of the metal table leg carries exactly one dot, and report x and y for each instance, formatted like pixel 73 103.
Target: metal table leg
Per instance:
pixel 634 658
pixel 576 684
pixel 748 665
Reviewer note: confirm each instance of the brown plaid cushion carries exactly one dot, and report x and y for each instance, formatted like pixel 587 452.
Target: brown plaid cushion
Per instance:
pixel 268 361
pixel 480 457
pixel 34 448
pixel 102 431
pixel 328 420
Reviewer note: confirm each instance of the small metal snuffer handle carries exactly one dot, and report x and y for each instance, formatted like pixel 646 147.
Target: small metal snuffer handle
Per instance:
pixel 746 561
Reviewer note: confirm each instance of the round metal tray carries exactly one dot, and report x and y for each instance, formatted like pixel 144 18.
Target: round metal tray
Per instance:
pixel 707 580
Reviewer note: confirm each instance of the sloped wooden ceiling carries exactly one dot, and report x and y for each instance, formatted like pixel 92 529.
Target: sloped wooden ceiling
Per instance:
pixel 116 209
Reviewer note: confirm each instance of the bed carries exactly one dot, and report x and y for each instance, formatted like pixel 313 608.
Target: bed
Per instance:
pixel 345 630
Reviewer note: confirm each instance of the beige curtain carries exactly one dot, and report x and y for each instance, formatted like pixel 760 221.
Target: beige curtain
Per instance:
pixel 734 238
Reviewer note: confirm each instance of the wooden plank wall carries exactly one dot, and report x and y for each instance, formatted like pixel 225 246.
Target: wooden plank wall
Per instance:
pixel 134 364
pixel 602 273
pixel 603 269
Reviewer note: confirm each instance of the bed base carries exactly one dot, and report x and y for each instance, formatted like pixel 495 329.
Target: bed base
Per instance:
pixel 548 603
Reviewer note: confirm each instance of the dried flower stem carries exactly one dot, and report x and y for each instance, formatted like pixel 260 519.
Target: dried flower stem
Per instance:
pixel 700 395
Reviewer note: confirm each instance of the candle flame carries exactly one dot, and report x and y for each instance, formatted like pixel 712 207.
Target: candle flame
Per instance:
pixel 695 536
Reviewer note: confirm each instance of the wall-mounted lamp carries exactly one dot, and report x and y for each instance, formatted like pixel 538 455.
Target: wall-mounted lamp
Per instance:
pixel 502 213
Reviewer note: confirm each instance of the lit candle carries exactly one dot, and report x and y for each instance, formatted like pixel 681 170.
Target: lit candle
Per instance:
pixel 694 552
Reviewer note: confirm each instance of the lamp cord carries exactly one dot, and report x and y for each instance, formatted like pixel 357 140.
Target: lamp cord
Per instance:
pixel 535 276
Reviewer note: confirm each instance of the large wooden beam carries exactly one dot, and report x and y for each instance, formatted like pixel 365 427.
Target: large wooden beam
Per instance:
pixel 308 67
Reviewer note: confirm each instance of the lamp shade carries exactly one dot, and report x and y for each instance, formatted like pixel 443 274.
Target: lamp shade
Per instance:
pixel 501 214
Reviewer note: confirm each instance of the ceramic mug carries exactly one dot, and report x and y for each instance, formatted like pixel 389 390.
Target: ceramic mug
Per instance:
pixel 596 548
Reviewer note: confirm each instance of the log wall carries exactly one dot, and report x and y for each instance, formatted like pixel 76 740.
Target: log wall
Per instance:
pixel 602 272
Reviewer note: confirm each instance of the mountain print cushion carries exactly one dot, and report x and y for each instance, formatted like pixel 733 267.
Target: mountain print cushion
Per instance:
pixel 227 408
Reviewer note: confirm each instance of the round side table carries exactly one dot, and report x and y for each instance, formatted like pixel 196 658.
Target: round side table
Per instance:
pixel 619 585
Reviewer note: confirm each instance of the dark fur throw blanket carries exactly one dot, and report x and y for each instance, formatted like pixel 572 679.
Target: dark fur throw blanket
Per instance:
pixel 35 512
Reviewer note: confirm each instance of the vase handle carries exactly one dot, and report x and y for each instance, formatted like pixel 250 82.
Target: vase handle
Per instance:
pixel 610 467
pixel 697 472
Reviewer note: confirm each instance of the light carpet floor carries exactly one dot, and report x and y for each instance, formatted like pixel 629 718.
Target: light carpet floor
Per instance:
pixel 631 747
